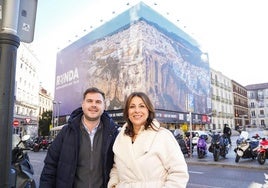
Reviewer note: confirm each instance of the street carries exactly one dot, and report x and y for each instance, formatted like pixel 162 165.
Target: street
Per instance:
pixel 223 173
pixel 37 160
pixel 216 174
pixel 202 176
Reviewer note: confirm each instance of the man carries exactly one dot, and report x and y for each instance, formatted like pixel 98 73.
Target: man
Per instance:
pixel 227 132
pixel 81 154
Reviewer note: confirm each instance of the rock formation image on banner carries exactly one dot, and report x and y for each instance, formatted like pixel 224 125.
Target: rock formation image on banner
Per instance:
pixel 138 56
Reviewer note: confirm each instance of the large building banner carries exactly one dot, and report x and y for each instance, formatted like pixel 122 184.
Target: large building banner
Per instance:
pixel 139 50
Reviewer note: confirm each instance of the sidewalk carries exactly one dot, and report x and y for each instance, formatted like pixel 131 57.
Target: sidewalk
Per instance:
pixel 229 161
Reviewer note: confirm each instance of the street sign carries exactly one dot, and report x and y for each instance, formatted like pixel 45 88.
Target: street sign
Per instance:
pixel 16 123
pixel 27 120
pixel 26 21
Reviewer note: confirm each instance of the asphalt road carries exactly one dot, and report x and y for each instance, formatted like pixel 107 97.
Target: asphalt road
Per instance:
pixel 37 159
pixel 213 176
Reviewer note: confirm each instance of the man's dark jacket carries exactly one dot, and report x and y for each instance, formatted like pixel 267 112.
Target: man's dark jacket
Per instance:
pixel 61 160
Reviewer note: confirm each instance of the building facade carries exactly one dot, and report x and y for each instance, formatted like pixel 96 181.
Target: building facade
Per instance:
pixel 30 101
pixel 143 53
pixel 258 104
pixel 222 101
pixel 45 101
pixel 241 111
pixel 26 103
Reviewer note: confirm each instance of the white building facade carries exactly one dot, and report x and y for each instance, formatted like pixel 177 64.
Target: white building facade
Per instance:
pixel 222 101
pixel 258 104
pixel 26 103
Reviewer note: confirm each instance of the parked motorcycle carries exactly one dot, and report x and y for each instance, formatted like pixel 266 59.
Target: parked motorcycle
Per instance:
pixel 191 141
pixel 201 146
pixel 20 164
pixel 262 151
pixel 183 144
pixel 219 146
pixel 40 143
pixel 195 136
pixel 246 147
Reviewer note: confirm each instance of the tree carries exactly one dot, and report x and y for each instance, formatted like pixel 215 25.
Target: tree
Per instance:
pixel 44 123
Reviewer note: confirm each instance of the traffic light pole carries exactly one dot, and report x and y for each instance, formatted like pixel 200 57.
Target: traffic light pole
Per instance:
pixel 9 43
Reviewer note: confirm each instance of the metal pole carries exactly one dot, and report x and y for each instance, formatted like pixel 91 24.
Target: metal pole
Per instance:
pixel 191 133
pixel 53 114
pixel 9 43
pixel 243 122
pixel 58 113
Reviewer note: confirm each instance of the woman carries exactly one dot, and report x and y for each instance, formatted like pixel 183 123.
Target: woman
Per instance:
pixel 146 155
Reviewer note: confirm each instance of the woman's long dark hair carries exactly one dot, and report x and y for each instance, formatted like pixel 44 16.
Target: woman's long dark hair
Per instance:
pixel 129 129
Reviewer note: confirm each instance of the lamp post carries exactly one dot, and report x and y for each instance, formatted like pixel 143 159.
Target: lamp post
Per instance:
pixel 53 113
pixel 9 43
pixel 190 108
pixel 191 133
pixel 243 121
pixel 58 113
pixel 12 32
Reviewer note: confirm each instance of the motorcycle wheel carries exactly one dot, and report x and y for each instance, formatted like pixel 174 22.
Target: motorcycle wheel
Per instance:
pixel 237 158
pixel 254 155
pixel 36 148
pixel 216 155
pixel 200 153
pixel 223 152
pixel 261 158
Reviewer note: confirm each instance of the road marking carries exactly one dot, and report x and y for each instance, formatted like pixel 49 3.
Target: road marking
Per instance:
pixel 201 186
pixel 195 172
pixel 36 161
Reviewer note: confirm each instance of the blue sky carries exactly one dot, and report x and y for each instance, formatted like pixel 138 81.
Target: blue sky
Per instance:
pixel 51 13
pixel 233 33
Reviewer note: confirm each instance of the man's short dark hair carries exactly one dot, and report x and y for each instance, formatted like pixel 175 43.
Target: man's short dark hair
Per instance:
pixel 93 90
